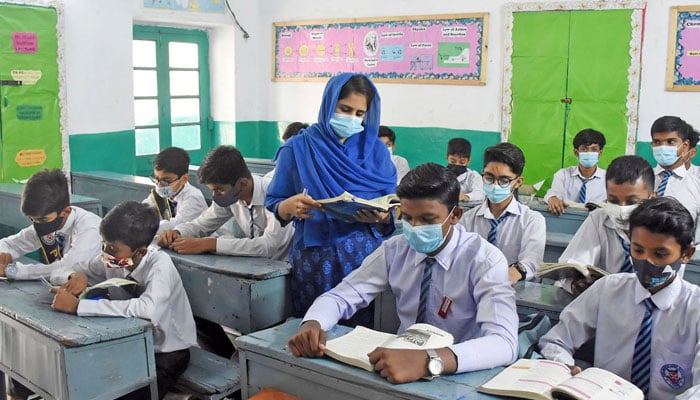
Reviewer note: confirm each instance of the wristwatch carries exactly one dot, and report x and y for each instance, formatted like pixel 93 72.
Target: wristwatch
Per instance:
pixel 435 366
pixel 520 268
pixel 11 271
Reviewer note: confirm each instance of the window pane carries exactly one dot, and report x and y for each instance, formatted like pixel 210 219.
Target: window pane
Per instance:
pixel 147 141
pixel 144 53
pixel 184 110
pixel 145 83
pixel 146 112
pixel 183 55
pixel 184 83
pixel 186 137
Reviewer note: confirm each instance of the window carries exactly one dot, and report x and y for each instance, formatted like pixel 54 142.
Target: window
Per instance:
pixel 171 92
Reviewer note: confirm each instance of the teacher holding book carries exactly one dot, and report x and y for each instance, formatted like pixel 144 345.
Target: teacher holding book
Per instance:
pixel 340 153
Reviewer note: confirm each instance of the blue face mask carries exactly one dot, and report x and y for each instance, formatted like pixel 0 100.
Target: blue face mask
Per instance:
pixel 588 158
pixel 651 275
pixel 345 125
pixel 496 193
pixel 425 238
pixel 665 155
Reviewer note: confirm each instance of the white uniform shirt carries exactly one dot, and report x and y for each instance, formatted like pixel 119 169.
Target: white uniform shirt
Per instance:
pixel 82 241
pixel 566 185
pixel 612 309
pixel 402 167
pixel 190 205
pixel 694 170
pixel 685 188
pixel 469 271
pixel 521 236
pixel 163 300
pixel 270 239
pixel 471 184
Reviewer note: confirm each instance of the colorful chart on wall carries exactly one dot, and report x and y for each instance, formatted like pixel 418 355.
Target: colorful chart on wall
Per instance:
pixel 683 71
pixel 187 5
pixel 445 49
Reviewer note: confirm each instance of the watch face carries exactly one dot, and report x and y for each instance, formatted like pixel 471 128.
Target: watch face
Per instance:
pixel 435 366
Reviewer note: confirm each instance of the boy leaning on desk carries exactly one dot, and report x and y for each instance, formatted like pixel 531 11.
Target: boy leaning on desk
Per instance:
pixel 440 274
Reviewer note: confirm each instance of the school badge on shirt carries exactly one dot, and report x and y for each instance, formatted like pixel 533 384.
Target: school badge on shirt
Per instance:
pixel 673 375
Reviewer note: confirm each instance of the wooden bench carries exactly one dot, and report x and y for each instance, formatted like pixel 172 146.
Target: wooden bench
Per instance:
pixel 111 188
pixel 209 376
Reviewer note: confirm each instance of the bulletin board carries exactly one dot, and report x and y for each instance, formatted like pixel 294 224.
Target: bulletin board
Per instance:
pixel 683 71
pixel 443 49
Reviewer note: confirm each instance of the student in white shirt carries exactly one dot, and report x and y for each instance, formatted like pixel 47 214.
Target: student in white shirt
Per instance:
pixel 581 183
pixel 615 308
pixel 62 233
pixel 389 138
pixel 693 138
pixel 459 154
pixel 127 230
pixel 519 232
pixel 173 197
pixel 603 238
pixel 468 295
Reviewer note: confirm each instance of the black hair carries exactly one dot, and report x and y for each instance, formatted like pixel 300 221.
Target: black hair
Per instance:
pixel 132 223
pixel 293 129
pixel 45 192
pixel 172 159
pixel 588 137
pixel 506 153
pixel 358 84
pixel 669 123
pixel 460 147
pixel 385 131
pixel 666 216
pixel 629 169
pixel 223 165
pixel 430 181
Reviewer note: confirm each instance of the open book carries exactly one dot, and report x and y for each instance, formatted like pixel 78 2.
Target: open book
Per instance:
pixel 589 206
pixel 111 289
pixel 352 348
pixel 558 271
pixel 345 206
pixel 545 380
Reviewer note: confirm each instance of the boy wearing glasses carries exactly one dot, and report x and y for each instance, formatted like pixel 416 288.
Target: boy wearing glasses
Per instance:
pixel 514 228
pixel 173 197
pixel 581 183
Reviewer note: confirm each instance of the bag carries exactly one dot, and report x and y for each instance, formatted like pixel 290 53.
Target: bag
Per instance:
pixel 530 329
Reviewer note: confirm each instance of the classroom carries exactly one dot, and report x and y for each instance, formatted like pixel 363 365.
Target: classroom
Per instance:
pixel 97 89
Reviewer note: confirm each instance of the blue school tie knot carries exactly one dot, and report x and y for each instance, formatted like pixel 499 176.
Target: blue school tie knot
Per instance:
pixel 494 227
pixel 664 181
pixel 627 262
pixel 582 192
pixel 424 289
pixel 641 362
pixel 252 223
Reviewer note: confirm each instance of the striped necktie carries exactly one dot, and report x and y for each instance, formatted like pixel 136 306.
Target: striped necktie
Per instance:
pixel 664 181
pixel 582 192
pixel 252 223
pixel 424 289
pixel 641 362
pixel 494 225
pixel 627 263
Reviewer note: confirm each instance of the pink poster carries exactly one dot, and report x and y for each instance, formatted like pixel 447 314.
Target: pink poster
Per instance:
pixel 447 50
pixel 24 42
pixel 684 55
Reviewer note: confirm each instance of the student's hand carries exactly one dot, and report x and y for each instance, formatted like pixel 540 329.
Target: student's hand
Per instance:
pixel 575 370
pixel 298 206
pixel 5 259
pixel 76 284
pixel 555 205
pixel 187 245
pixel 167 237
pixel 310 341
pixel 65 302
pixel 399 365
pixel 463 197
pixel 372 217
pixel 514 275
pixel 579 285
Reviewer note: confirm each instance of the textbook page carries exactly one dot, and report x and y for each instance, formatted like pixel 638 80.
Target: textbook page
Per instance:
pixel 345 206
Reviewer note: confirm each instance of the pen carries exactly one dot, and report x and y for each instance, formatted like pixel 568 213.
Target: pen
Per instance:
pixel 45 282
pixel 305 192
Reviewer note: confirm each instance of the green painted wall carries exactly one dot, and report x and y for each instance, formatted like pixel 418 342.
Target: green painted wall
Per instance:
pixel 108 151
pixel 644 150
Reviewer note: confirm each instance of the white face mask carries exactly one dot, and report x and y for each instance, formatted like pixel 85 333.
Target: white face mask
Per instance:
pixel 620 215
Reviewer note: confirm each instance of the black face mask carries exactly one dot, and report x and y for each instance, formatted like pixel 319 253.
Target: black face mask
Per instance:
pixel 44 228
pixel 226 199
pixel 651 276
pixel 457 169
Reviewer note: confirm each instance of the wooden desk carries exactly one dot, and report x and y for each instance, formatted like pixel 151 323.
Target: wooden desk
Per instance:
pixel 243 293
pixel 259 165
pixel 62 356
pixel 560 228
pixel 533 297
pixel 266 362
pixel 111 188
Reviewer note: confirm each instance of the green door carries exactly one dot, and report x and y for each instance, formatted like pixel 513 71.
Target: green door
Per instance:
pixel 570 72
pixel 30 134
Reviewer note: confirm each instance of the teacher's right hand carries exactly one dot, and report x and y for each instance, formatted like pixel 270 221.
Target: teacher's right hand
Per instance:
pixel 298 206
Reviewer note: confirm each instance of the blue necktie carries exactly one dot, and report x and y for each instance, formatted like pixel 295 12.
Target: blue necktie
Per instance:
pixel 664 181
pixel 582 193
pixel 424 289
pixel 494 225
pixel 627 263
pixel 252 223
pixel 641 362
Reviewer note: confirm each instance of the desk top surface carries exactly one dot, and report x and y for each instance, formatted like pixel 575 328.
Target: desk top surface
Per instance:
pixel 257 268
pixel 116 176
pixel 16 189
pixel 272 343
pixel 29 303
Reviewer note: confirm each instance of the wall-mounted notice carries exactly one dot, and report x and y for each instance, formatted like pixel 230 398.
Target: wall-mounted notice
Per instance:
pixel 683 70
pixel 216 6
pixel 445 49
pixel 24 42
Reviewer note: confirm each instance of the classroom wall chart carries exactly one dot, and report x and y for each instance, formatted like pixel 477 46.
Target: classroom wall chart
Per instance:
pixel 445 49
pixel 683 71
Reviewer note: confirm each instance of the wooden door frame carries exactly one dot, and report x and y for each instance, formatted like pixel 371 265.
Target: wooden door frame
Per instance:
pixel 638 8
